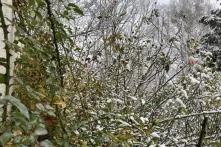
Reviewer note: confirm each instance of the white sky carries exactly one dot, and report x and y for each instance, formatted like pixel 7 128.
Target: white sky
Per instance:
pixel 163 1
pixel 167 1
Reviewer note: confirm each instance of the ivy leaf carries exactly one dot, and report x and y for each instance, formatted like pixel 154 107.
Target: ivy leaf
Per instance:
pixel 4 138
pixel 17 103
pixel 76 8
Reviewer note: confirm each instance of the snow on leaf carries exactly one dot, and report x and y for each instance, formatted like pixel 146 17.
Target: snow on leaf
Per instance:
pixel 92 113
pixel 132 119
pixel 46 143
pixel 142 101
pixel 109 101
pixel 124 123
pixel 40 131
pixel 207 53
pixel 184 93
pixel 48 107
pixel 155 135
pixel 143 119
pixel 83 129
pixel 132 98
pixel 119 101
pixel 205 76
pixel 218 98
pixel 181 102
pixel 76 132
pixel 99 128
pixel 194 80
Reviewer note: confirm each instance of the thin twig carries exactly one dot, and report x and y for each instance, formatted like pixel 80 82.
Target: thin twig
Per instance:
pixel 191 115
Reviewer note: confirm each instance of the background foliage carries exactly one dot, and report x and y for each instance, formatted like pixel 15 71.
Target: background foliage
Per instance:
pixel 114 73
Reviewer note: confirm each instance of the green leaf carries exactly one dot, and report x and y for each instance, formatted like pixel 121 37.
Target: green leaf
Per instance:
pixel 40 3
pixel 77 49
pixel 65 13
pixel 76 8
pixel 2 78
pixel 19 119
pixel 4 138
pixel 17 103
pixel 51 113
pixel 40 107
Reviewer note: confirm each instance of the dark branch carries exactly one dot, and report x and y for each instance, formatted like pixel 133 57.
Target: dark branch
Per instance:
pixel 203 132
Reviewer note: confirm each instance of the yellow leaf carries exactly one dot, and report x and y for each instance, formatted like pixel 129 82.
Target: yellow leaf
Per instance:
pixel 17 133
pixel 61 104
